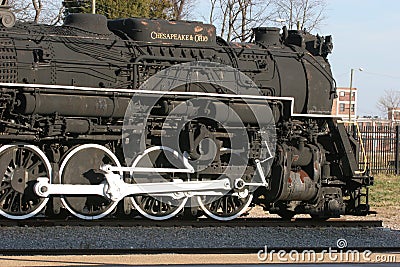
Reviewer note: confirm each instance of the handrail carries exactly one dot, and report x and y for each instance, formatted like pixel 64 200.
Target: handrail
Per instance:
pixel 364 154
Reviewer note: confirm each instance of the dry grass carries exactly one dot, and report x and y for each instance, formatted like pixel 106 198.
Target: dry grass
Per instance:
pixel 386 191
pixel 385 200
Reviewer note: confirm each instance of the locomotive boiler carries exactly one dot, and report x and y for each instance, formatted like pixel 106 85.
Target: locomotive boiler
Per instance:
pixel 113 117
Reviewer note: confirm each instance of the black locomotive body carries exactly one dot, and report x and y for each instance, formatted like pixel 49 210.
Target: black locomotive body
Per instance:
pixel 65 91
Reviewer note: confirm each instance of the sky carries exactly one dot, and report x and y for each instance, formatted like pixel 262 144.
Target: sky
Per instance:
pixel 365 35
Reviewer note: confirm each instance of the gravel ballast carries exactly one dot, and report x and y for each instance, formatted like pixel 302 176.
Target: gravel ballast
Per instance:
pixel 77 237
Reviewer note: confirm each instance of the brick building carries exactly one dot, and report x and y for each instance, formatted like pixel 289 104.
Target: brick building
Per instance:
pixel 342 103
pixel 394 114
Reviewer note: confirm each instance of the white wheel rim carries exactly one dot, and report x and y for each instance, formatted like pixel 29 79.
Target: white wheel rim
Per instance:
pixel 48 166
pixel 220 218
pixel 137 206
pixel 62 167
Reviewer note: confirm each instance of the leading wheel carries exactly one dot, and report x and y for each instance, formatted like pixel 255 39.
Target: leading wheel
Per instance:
pixel 20 166
pixel 82 166
pixel 225 208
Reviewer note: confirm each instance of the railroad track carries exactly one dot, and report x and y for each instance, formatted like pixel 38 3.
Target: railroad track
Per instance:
pixel 241 222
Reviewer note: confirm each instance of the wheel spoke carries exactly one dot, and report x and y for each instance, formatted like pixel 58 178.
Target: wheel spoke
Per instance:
pixel 232 202
pixel 150 205
pixel 4 197
pixel 20 202
pixel 33 166
pixel 27 160
pixel 13 199
pixel 225 208
pixel 15 154
pixel 3 187
pixel 219 202
pixel 7 175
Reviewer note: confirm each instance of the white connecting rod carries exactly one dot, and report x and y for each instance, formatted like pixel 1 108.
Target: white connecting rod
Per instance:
pixel 116 189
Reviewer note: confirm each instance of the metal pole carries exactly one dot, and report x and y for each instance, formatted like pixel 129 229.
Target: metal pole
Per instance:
pixel 351 85
pixel 93 6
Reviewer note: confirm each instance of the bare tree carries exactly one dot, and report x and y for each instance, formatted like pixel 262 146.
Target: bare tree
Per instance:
pixel 235 18
pixel 38 7
pixel 390 100
pixel 22 9
pixel 43 11
pixel 181 9
pixel 301 14
pixel 212 11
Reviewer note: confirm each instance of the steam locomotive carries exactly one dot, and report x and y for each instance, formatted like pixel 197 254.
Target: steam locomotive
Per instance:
pixel 99 118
